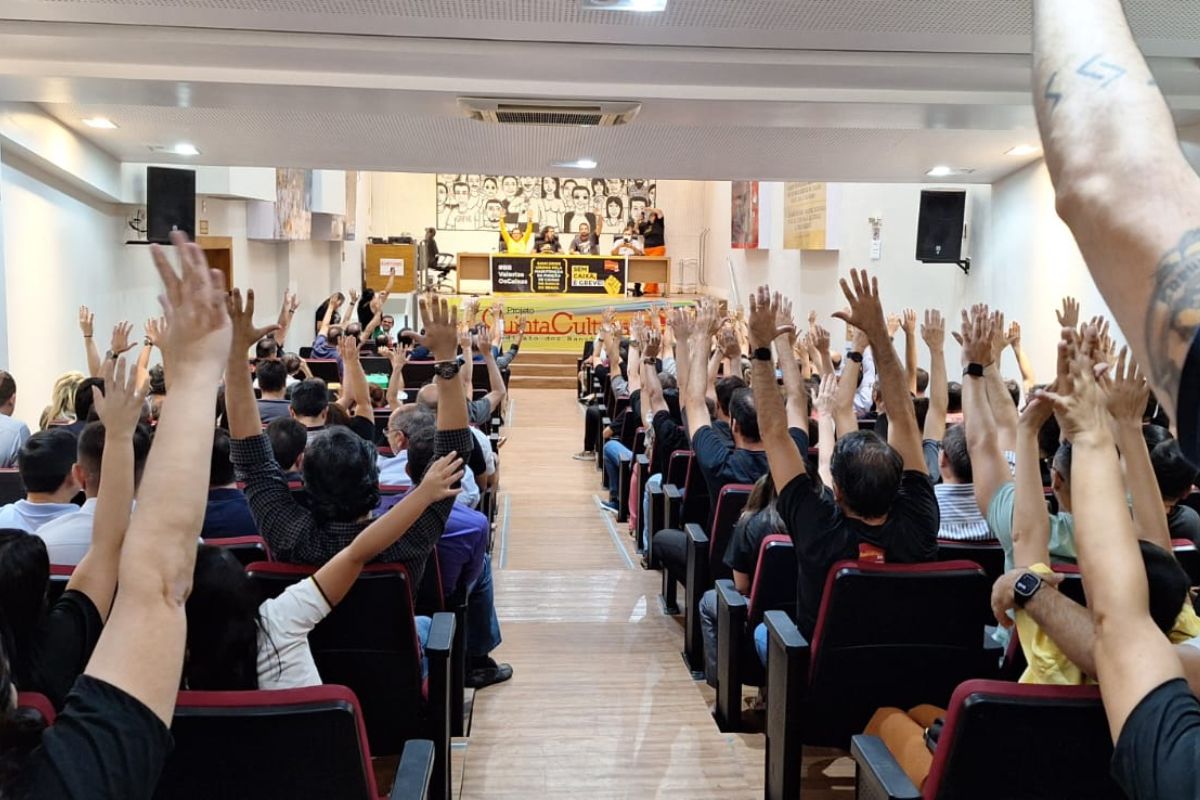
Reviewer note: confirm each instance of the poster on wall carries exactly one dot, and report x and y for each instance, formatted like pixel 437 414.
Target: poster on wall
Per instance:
pixel 744 215
pixel 479 202
pixel 559 274
pixel 810 216
pixel 293 203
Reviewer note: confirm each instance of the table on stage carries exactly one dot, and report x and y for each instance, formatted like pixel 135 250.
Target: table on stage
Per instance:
pixel 642 269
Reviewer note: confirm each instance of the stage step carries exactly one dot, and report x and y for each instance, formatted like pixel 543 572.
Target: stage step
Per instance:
pixel 542 382
pixel 542 370
pixel 545 358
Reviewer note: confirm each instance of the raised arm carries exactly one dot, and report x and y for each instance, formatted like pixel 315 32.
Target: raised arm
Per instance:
pixel 793 384
pixel 652 394
pixel 354 379
pixel 441 324
pixel 785 459
pixel 844 416
pixel 87 326
pixel 825 404
pixel 1028 379
pixel 287 312
pixel 933 331
pixel 1031 524
pixel 119 407
pixel 240 406
pixel 496 389
pixel 1003 409
pixel 330 307
pixel 338 575
pixel 866 313
pixel 988 467
pixel 148 345
pixel 908 321
pixel 697 389
pixel 1132 656
pixel 820 341
pixel 395 387
pixel 1122 183
pixel 141 648
pixel 1128 394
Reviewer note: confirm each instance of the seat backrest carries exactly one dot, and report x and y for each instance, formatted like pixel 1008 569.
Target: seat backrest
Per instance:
pixel 286 743
pixel 991 720
pixel 1188 558
pixel 639 441
pixel 774 586
pixel 368 643
pixel 697 504
pixel 726 511
pixel 895 635
pixel 39 703
pixel 324 368
pixel 11 488
pixel 246 549
pixel 431 594
pixel 1072 583
pixel 678 465
pixel 988 554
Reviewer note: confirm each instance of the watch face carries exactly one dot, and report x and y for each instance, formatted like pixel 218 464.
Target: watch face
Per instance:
pixel 1027 584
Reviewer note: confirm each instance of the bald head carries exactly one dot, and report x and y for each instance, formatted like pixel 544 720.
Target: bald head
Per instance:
pixel 428 396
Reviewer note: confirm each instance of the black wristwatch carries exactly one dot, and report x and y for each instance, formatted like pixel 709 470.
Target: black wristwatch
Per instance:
pixel 973 370
pixel 855 356
pixel 1025 588
pixel 763 354
pixel 446 369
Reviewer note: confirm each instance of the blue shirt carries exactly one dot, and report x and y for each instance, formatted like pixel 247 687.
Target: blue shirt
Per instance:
pixel 323 349
pixel 227 514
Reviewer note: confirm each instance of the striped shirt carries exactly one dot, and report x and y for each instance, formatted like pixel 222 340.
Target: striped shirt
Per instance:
pixel 961 520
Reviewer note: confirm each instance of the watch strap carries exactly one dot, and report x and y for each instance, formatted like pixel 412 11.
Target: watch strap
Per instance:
pixel 762 354
pixel 1022 596
pixel 855 356
pixel 973 370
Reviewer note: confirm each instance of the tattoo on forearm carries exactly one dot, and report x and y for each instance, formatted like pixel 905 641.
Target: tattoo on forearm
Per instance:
pixel 1174 313
pixel 1051 95
pixel 1105 72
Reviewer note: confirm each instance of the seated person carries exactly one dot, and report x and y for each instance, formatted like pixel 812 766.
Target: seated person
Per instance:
pixel 84 398
pixel 1176 477
pixel 45 465
pixel 13 432
pixel 227 512
pixel 627 243
pixel 404 423
pixel 310 405
pixel 481 411
pixel 68 537
pixel 325 345
pixel 587 241
pixel 960 517
pixel 548 242
pixel 288 440
pixel 272 382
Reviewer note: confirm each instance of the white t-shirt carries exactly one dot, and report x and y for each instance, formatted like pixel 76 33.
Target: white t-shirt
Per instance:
pixel 13 434
pixel 284 659
pixel 69 537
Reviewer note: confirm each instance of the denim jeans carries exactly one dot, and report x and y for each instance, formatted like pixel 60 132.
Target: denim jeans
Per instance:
pixel 654 481
pixel 613 450
pixel 424 624
pixel 760 642
pixel 483 627
pixel 708 628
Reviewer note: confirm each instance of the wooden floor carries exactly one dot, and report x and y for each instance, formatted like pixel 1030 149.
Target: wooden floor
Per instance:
pixel 601 704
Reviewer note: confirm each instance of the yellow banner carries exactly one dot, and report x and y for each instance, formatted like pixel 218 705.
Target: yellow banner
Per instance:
pixel 562 323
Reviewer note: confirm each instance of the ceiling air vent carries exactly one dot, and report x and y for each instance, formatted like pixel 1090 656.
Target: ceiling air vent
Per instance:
pixel 549 112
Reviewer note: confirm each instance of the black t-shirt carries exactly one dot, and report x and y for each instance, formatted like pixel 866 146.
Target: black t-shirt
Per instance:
pixel 823 535
pixel 105 744
pixel 60 647
pixel 742 553
pixel 1155 756
pixel 653 232
pixel 365 428
pixel 669 436
pixel 722 464
pixel 1184 523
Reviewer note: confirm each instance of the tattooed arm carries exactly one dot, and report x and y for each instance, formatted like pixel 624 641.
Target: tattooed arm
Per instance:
pixel 1122 183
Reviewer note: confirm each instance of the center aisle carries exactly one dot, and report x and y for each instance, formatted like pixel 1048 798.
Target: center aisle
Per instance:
pixel 600 704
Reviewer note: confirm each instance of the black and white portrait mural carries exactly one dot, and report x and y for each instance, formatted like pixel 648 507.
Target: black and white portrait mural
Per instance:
pixel 481 202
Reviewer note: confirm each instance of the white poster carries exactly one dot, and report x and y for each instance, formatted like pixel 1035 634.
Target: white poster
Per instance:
pixel 386 265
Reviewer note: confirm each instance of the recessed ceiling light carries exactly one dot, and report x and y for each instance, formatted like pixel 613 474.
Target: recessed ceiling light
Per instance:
pixel 100 122
pixel 582 163
pixel 945 172
pixel 1024 150
pixel 185 149
pixel 624 5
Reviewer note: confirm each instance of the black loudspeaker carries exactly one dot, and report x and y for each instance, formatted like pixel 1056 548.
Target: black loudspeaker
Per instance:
pixel 170 203
pixel 940 227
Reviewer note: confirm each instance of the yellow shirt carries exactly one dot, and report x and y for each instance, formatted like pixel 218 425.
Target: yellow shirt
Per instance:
pixel 521 245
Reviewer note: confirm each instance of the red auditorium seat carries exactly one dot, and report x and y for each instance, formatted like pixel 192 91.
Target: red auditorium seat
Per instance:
pixel 666 499
pixel 246 549
pixel 988 554
pixel 39 703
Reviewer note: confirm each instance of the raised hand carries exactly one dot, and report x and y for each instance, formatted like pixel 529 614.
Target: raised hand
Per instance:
pixel 245 334
pixel 999 341
pixel 156 329
pixel 978 331
pixel 440 477
pixel 727 342
pixel 708 321
pixel 783 316
pixel 354 298
pixel 120 338
pixel 865 312
pixel 1127 391
pixel 1069 316
pixel 120 404
pixel 193 302
pixel 825 398
pixel 348 350
pixel 933 331
pixel 908 321
pixel 464 342
pixel 653 342
pixel 812 321
pixel 1037 411
pixel 893 324
pixel 681 323
pixel 820 338
pixel 1080 403
pixel 1013 337
pixel 441 325
pixel 86 321
pixel 522 321
pixel 764 312
pixel 399 356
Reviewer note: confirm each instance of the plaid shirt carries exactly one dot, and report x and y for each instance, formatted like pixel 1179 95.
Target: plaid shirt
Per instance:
pixel 296 536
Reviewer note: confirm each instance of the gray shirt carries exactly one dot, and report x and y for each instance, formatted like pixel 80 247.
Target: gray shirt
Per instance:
pixel 13 434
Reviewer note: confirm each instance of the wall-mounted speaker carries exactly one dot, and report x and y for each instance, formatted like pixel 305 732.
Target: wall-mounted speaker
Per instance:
pixel 170 203
pixel 940 227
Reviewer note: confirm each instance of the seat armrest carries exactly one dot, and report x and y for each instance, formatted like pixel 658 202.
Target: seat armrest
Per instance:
pixel 414 772
pixel 672 505
pixel 696 583
pixel 732 610
pixel 643 460
pixel 441 636
pixel 787 679
pixel 696 536
pixel 439 649
pixel 878 774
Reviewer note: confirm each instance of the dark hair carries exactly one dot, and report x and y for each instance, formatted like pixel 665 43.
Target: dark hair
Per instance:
pixel 20 728
pixel 46 458
pixel 272 376
pixel 461 183
pixel 954 445
pixel 334 335
pixel 1167 583
pixel 310 397
pixel 1048 437
pixel 1155 435
pixel 89 452
pixel 1062 461
pixel 920 408
pixel 8 387
pixel 292 363
pixel 743 412
pixel 1014 391
pixel 725 388
pixel 340 475
pixel 337 416
pixel 614 200
pixel 84 399
pixel 667 381
pixel 24 575
pixel 1174 474
pixel 761 496
pixel 953 397
pixel 637 198
pixel 158 380
pixel 223 625
pixel 922 379
pixel 288 440
pixel 353 329
pixel 220 467
pixel 867 472
pixel 267 347
pixel 420 431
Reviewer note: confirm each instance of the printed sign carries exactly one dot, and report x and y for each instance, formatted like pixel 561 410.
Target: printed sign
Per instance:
pixel 558 274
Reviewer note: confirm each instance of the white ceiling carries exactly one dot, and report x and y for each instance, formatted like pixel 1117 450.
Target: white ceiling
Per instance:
pixel 770 89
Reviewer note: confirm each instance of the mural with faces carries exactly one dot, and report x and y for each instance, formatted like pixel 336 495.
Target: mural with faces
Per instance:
pixel 480 202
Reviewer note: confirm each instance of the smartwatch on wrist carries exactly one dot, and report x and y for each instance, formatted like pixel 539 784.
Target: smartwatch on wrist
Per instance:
pixel 855 356
pixel 446 369
pixel 1025 588
pixel 973 370
pixel 762 354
